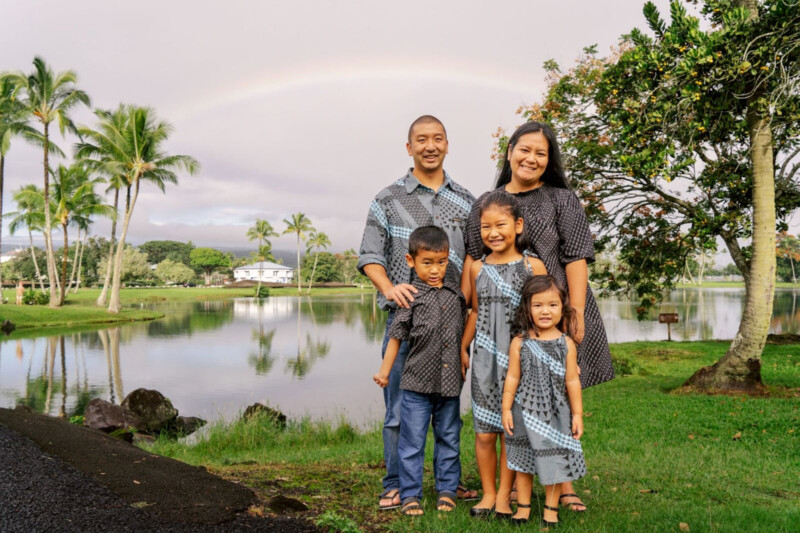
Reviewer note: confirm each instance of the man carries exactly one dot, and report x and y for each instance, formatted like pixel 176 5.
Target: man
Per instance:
pixel 426 195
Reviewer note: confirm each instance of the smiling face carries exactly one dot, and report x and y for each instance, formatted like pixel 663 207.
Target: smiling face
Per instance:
pixel 499 228
pixel 427 145
pixel 546 309
pixel 528 160
pixel 430 266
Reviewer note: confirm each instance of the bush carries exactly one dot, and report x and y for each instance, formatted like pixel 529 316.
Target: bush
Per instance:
pixel 34 297
pixel 331 521
pixel 261 292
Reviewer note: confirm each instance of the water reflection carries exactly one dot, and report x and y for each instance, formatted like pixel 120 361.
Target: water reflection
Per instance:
pixel 303 356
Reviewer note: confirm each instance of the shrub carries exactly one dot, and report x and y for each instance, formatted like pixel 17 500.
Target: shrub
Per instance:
pixel 262 292
pixel 34 297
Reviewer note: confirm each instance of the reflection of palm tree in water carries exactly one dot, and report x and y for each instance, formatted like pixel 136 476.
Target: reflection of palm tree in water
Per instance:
pixel 313 349
pixel 109 338
pixel 263 359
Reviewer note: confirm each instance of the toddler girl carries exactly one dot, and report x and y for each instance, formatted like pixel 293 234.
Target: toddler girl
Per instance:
pixel 542 405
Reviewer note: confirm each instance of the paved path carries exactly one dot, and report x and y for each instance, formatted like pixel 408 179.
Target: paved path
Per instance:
pixel 58 476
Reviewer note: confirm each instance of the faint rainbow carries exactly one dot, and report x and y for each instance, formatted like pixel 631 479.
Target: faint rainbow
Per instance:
pixel 523 88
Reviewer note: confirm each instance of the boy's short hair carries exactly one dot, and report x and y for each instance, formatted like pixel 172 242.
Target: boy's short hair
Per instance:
pixel 430 238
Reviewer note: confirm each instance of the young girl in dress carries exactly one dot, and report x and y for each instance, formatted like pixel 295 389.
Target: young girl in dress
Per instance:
pixel 542 405
pixel 495 281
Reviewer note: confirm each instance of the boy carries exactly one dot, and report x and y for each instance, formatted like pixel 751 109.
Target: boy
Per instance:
pixel 432 376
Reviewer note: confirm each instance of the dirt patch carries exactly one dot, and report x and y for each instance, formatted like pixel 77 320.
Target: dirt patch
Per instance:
pixel 785 338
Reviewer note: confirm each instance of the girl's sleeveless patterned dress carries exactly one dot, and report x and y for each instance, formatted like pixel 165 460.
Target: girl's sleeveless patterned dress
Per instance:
pixel 498 288
pixel 542 443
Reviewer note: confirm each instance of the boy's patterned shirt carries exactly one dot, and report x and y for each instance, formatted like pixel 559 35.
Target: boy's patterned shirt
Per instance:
pixel 401 208
pixel 433 327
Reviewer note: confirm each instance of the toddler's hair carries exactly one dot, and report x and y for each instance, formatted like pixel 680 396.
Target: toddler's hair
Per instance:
pixel 503 200
pixel 430 238
pixel 523 322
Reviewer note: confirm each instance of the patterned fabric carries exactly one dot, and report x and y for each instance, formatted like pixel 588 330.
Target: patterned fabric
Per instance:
pixel 556 226
pixel 498 288
pixel 401 208
pixel 433 327
pixel 542 443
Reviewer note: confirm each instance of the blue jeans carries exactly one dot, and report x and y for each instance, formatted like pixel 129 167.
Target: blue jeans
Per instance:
pixel 392 394
pixel 419 411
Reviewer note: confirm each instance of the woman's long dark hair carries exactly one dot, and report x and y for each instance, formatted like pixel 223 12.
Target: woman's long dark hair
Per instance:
pixel 506 201
pixel 523 322
pixel 554 173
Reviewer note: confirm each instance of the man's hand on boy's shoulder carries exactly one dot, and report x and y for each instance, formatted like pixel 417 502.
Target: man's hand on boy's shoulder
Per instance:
pixel 402 294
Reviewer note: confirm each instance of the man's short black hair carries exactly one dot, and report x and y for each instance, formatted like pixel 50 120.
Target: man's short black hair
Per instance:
pixel 430 238
pixel 425 119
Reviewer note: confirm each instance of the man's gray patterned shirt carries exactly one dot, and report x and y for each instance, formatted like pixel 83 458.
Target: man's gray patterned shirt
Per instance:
pixel 401 208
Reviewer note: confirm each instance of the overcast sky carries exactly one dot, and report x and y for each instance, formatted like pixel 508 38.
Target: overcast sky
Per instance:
pixel 300 106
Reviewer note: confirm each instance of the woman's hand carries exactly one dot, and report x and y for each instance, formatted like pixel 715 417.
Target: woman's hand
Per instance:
pixel 508 422
pixel 464 364
pixel 580 328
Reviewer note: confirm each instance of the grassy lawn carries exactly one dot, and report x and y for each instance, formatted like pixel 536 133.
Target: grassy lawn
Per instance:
pixel 656 458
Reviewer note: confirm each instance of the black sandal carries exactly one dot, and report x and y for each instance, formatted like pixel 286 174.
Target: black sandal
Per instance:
pixel 547 523
pixel 389 494
pixel 449 506
pixel 521 521
pixel 571 505
pixel 412 505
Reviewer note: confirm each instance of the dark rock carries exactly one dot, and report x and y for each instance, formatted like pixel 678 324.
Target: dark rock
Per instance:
pixel 282 505
pixel 110 418
pixel 186 425
pixel 259 409
pixel 7 327
pixel 152 408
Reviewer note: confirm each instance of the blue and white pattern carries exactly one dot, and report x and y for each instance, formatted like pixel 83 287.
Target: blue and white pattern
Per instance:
pixel 401 208
pixel 542 442
pixel 498 288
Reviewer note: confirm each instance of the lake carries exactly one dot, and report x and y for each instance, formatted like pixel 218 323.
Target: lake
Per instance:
pixel 302 356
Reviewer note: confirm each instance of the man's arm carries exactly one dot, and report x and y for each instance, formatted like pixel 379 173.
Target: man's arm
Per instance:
pixel 401 294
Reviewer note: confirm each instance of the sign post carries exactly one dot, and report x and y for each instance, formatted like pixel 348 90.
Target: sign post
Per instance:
pixel 668 319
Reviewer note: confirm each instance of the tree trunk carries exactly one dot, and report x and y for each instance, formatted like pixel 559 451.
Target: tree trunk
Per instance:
pixel 116 280
pixel 702 267
pixel 101 300
pixel 298 264
pixel 740 368
pixel 313 272
pixel 52 276
pixel 791 262
pixel 80 262
pixel 64 259
pixel 74 261
pixel 35 262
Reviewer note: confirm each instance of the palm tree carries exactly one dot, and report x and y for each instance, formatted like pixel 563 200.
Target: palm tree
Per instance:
pixel 29 200
pixel 49 97
pixel 12 123
pixel 131 148
pixel 300 224
pixel 75 202
pixel 320 241
pixel 261 231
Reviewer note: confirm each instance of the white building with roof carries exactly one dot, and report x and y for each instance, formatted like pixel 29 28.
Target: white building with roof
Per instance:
pixel 270 272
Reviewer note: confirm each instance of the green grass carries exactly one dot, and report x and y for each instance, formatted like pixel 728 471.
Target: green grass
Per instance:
pixel 656 457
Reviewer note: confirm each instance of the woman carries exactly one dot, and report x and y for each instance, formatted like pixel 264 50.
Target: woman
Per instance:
pixel 556 226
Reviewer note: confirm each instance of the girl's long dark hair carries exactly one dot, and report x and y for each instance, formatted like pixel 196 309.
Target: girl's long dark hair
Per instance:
pixel 523 322
pixel 554 173
pixel 503 200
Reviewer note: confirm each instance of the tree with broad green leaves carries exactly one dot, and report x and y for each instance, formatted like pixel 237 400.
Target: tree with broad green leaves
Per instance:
pixel 319 241
pixel 261 232
pixel 788 248
pixel 48 97
pixel 169 271
pixel 680 137
pixel 209 260
pixel 300 225
pixel 134 264
pixel 128 143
